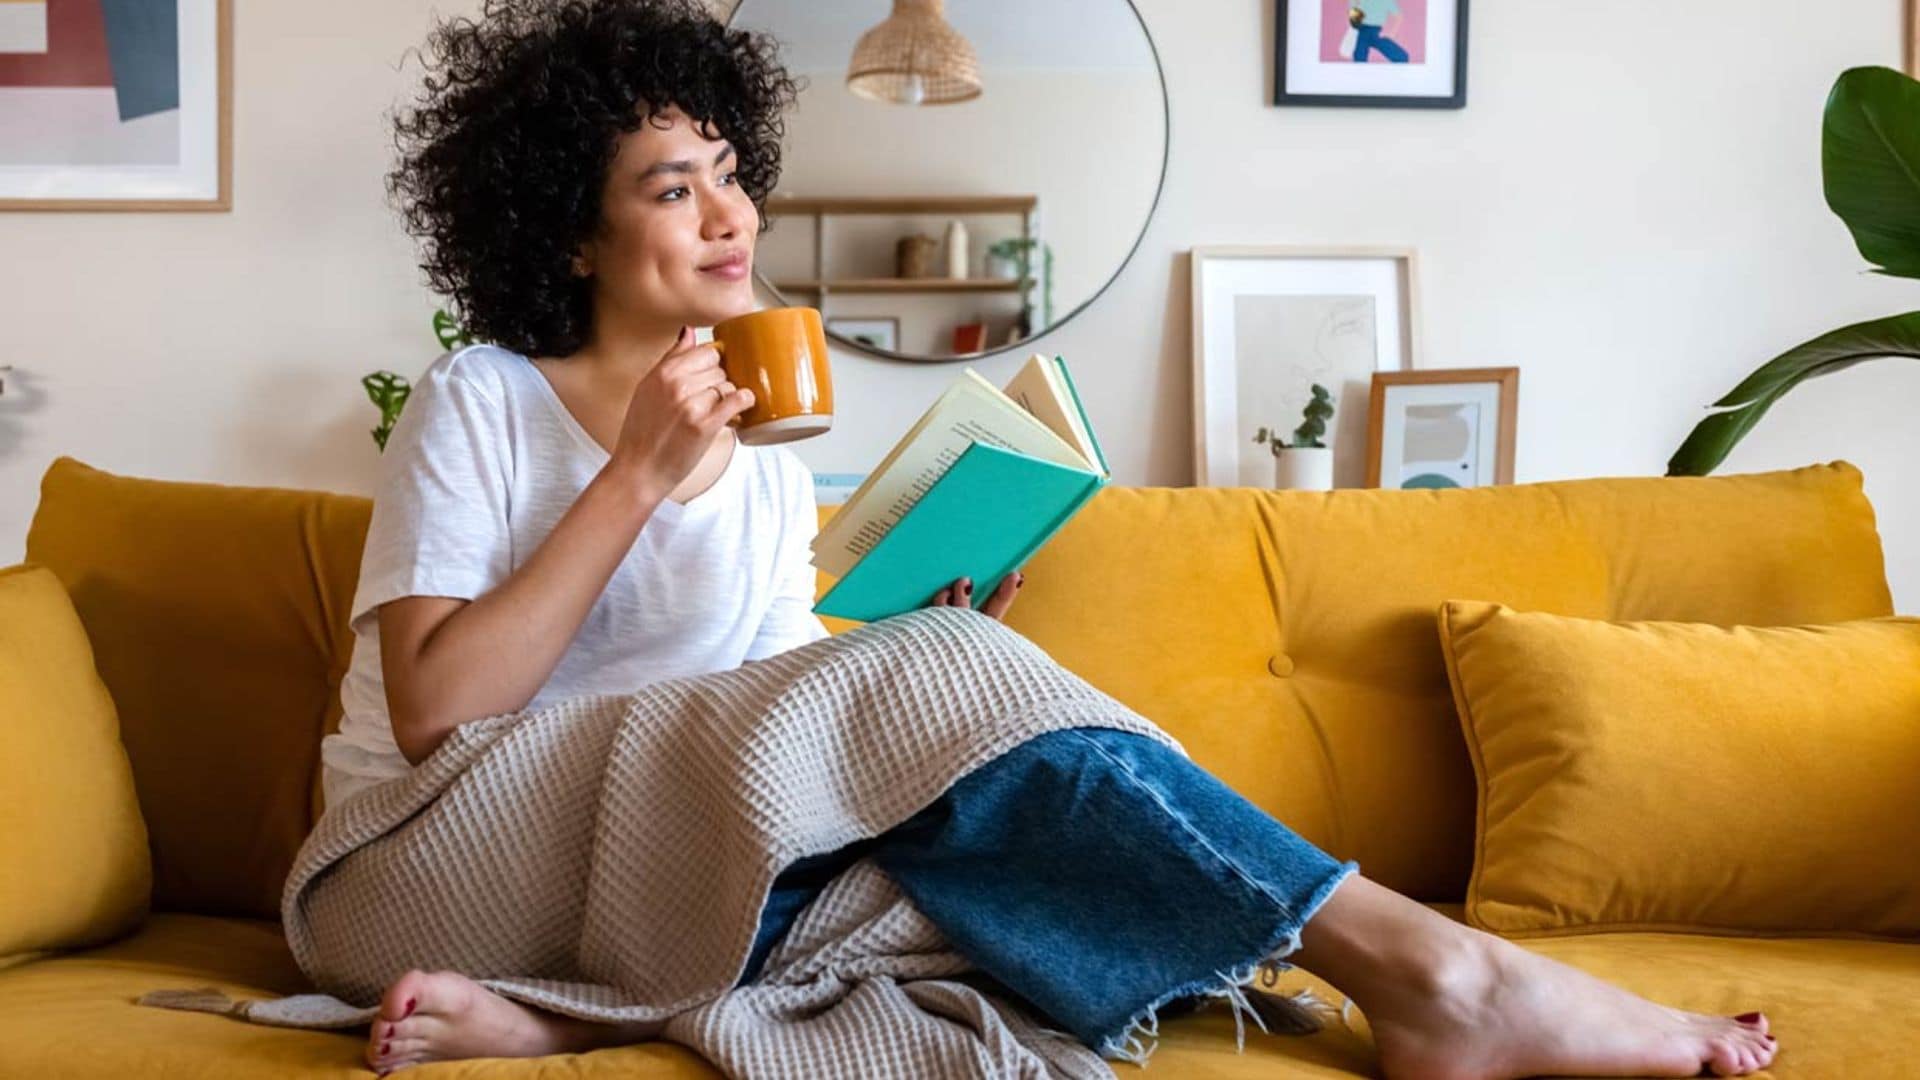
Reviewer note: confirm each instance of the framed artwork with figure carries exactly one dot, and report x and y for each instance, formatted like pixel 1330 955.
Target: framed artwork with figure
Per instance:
pixel 116 104
pixel 1269 322
pixel 1386 54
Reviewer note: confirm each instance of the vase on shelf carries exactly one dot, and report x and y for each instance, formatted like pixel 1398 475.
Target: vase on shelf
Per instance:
pixel 956 249
pixel 1303 468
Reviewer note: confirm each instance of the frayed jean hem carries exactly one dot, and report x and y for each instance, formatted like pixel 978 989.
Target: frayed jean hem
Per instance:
pixel 1140 1036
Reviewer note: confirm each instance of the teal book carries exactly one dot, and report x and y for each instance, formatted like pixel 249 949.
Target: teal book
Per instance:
pixel 983 515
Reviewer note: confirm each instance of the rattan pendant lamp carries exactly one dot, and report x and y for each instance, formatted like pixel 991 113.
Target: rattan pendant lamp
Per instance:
pixel 914 58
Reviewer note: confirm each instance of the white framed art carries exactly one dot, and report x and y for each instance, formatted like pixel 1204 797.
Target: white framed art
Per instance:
pixel 116 104
pixel 1268 323
pixel 870 331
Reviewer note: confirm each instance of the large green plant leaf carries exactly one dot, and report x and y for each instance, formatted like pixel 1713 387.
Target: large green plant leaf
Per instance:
pixel 1713 438
pixel 1870 161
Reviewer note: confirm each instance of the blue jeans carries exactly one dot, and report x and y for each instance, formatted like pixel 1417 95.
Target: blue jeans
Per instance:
pixel 1371 38
pixel 1097 874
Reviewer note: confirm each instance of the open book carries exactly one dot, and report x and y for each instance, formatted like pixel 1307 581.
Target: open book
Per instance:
pixel 984 479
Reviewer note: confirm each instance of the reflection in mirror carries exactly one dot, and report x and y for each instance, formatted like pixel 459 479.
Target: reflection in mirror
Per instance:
pixel 987 173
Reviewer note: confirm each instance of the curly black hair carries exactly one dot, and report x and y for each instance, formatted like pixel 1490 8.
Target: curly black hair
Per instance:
pixel 503 159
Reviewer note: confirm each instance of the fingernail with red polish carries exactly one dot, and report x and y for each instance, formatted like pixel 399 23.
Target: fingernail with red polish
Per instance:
pixel 408 1011
pixel 385 1047
pixel 1748 1018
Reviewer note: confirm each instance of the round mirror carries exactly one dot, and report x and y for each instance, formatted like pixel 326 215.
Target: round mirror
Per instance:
pixel 959 177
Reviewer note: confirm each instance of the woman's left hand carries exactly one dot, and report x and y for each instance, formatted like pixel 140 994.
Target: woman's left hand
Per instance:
pixel 960 593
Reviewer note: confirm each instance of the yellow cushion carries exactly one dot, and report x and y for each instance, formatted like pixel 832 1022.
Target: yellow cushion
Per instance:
pixel 73 852
pixel 1680 776
pixel 1840 1008
pixel 75 1017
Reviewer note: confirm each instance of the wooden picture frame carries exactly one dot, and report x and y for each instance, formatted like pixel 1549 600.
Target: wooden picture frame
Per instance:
pixel 1910 40
pixel 1507 381
pixel 1303 74
pixel 210 127
pixel 1230 368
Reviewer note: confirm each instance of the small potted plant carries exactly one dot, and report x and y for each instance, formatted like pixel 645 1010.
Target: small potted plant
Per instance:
pixel 1006 258
pixel 388 391
pixel 1306 464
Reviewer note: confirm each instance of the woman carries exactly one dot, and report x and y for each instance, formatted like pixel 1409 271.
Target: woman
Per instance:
pixel 567 511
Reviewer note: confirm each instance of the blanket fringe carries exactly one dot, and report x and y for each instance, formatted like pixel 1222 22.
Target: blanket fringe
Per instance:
pixel 1303 1007
pixel 200 999
pixel 316 1011
pixel 1299 1013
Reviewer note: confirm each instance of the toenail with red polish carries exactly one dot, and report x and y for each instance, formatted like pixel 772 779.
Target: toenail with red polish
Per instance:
pixel 1748 1018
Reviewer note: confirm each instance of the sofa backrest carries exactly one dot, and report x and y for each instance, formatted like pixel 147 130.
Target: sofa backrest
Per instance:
pixel 218 621
pixel 1286 638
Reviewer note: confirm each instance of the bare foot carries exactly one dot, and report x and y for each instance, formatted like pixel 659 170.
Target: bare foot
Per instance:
pixel 1490 1009
pixel 443 1016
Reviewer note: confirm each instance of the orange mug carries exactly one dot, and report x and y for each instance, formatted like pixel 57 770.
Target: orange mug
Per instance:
pixel 781 355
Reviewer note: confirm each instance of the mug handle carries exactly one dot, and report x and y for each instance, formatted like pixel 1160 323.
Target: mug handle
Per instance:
pixel 720 347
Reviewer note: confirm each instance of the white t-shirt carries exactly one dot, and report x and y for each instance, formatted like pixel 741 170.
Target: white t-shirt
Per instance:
pixel 480 467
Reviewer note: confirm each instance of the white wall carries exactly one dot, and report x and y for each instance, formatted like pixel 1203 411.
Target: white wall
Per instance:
pixel 1629 209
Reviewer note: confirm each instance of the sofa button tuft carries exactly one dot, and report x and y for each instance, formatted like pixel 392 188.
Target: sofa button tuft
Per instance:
pixel 1281 665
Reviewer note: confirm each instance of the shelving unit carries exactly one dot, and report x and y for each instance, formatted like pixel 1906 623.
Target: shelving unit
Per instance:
pixel 1026 207
pixel 901 285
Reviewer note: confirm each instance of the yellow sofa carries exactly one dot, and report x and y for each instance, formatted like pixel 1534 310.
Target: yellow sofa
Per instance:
pixel 1288 640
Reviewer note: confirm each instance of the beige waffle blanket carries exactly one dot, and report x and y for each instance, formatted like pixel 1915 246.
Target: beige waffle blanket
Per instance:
pixel 608 858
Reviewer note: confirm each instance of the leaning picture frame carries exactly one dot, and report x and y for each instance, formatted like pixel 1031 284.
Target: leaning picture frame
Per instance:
pixel 1269 322
pixel 1439 428
pixel 1380 54
pixel 1910 39
pixel 116 105
pixel 867 331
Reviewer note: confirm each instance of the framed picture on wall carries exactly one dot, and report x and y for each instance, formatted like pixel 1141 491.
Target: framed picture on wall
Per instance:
pixel 1268 323
pixel 116 104
pixel 1394 54
pixel 1442 429
pixel 874 332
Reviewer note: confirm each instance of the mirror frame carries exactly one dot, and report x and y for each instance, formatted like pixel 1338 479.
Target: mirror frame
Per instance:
pixel 1159 188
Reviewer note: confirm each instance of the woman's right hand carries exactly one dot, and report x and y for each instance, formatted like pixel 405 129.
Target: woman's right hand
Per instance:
pixel 676 412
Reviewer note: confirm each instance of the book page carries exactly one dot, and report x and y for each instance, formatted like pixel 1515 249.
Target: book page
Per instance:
pixel 1036 389
pixel 1017 427
pixel 971 410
